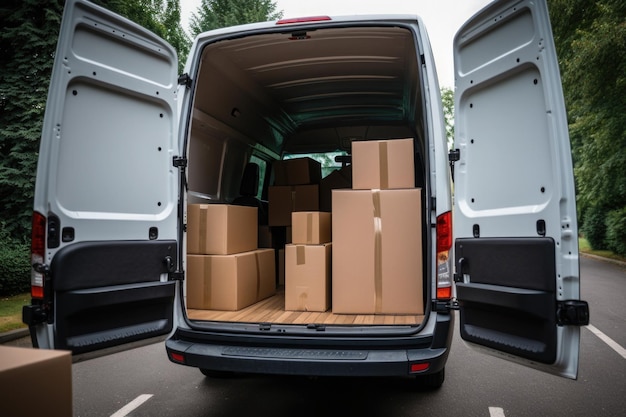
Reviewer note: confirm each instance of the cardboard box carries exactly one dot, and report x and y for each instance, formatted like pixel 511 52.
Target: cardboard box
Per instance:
pixel 338 179
pixel 284 200
pixel 377 252
pixel 230 282
pixel 310 227
pixel 35 382
pixel 307 277
pixel 297 171
pixel 383 164
pixel 221 229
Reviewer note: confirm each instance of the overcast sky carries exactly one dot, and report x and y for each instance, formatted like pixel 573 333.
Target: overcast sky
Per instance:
pixel 441 17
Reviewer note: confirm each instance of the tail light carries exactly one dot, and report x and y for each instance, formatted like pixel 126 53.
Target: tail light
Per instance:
pixel 37 250
pixel 444 245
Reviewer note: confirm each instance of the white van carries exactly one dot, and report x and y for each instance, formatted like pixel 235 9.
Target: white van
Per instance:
pixel 128 146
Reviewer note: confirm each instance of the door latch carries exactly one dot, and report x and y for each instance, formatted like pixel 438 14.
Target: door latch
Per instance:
pixel 572 313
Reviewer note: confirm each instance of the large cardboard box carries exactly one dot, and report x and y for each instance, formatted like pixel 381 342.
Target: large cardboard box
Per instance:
pixel 297 171
pixel 383 164
pixel 307 277
pixel 284 200
pixel 377 252
pixel 221 229
pixel 230 282
pixel 341 178
pixel 35 382
pixel 310 227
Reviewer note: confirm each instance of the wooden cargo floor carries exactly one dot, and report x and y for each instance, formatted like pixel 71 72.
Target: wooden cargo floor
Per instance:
pixel 272 310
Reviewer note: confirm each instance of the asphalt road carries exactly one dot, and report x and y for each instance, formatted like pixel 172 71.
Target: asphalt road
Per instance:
pixel 142 382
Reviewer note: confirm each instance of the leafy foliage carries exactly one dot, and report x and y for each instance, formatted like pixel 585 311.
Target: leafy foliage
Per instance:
pixel 27 45
pixel 616 231
pixel 591 43
pixel 214 14
pixel 14 264
pixel 447 98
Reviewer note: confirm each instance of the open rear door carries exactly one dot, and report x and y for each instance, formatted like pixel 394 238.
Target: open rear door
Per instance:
pixel 105 224
pixel 516 247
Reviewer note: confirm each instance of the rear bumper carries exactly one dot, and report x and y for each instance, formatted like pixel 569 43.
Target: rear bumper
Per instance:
pixel 350 359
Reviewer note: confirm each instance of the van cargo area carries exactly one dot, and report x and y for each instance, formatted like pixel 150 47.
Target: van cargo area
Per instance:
pixel 311 95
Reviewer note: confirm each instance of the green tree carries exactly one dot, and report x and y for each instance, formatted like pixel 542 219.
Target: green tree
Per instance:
pixel 447 99
pixel 591 43
pixel 214 14
pixel 27 46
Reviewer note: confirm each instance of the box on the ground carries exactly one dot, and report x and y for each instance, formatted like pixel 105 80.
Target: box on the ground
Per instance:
pixel 284 200
pixel 35 382
pixel 307 277
pixel 297 171
pixel 377 252
pixel 230 282
pixel 383 164
pixel 310 227
pixel 221 229
pixel 340 178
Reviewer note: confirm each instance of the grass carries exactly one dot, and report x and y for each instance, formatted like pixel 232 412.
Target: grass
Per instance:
pixel 11 311
pixel 585 247
pixel 11 307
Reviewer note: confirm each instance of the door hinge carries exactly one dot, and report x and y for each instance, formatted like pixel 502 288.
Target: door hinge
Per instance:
pixel 185 80
pixel 176 276
pixel 454 155
pixel 572 313
pixel 34 314
pixel 441 306
pixel 179 161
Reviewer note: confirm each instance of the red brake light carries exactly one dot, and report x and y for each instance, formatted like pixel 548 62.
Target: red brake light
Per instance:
pixel 303 20
pixel 444 232
pixel 444 264
pixel 37 250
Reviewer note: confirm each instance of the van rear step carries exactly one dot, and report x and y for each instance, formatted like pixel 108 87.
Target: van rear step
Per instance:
pixel 272 310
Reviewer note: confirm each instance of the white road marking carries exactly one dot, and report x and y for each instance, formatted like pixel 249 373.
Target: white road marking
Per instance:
pixel 496 412
pixel 612 343
pixel 124 411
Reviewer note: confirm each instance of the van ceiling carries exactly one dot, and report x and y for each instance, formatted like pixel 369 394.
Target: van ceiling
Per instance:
pixel 311 91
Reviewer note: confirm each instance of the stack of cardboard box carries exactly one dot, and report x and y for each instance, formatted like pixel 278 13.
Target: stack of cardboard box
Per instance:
pixel 225 268
pixel 377 233
pixel 296 188
pixel 308 262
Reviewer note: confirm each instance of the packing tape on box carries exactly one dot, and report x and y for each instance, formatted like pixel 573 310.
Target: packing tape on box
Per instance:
pixel 309 228
pixel 384 167
pixel 378 252
pixel 300 255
